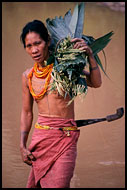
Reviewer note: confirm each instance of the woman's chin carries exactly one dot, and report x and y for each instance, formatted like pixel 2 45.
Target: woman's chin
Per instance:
pixel 38 60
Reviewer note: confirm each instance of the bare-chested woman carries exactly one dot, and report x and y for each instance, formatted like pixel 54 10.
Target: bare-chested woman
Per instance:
pixel 52 153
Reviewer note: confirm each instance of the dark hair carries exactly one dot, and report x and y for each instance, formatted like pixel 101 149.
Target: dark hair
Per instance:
pixel 35 26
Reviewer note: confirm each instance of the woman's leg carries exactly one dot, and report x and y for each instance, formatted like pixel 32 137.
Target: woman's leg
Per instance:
pixel 31 180
pixel 61 172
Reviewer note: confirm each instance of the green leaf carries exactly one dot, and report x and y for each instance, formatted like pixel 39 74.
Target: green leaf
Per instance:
pixel 99 63
pixel 80 22
pixel 88 39
pixel 67 18
pixel 100 43
pixel 73 22
pixel 57 28
pixel 50 60
pixel 69 74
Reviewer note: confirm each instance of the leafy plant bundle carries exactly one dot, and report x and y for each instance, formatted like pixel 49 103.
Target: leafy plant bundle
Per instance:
pixel 68 70
pixel 69 63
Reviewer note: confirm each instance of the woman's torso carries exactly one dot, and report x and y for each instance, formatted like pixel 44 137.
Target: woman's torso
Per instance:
pixel 52 104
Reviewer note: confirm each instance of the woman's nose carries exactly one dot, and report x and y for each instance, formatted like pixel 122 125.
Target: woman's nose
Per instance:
pixel 34 50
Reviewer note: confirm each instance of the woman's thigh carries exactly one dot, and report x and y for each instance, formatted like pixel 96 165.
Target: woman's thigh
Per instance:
pixel 61 172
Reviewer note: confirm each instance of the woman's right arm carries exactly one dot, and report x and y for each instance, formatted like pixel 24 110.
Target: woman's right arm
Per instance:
pixel 26 121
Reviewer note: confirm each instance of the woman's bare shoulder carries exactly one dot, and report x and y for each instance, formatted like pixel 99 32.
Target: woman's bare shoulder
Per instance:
pixel 27 71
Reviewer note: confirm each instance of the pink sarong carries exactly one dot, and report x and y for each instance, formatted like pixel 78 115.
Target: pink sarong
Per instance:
pixel 55 154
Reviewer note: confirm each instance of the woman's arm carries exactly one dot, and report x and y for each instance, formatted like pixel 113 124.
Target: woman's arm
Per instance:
pixel 93 77
pixel 26 121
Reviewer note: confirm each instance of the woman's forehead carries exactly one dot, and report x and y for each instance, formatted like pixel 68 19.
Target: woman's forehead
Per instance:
pixel 32 36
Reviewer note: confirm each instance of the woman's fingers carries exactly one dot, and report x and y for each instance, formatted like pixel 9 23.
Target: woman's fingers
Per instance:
pixel 27 156
pixel 81 45
pixel 31 157
pixel 78 43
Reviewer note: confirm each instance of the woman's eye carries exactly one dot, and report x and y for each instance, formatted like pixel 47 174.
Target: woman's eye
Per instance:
pixel 37 43
pixel 28 46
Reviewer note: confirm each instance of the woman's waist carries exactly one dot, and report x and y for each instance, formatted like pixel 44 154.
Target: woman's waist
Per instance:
pixel 56 112
pixel 57 115
pixel 55 121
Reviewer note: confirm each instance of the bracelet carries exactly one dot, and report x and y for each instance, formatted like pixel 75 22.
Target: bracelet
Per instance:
pixel 93 68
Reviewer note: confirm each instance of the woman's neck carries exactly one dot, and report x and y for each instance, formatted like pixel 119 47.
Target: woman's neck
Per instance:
pixel 43 63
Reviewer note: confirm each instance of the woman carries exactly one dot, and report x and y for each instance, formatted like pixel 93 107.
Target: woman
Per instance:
pixel 52 152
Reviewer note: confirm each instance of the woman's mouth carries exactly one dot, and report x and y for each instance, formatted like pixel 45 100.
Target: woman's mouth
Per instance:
pixel 37 57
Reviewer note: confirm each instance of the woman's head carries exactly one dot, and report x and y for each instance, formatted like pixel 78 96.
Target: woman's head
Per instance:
pixel 36 41
pixel 37 27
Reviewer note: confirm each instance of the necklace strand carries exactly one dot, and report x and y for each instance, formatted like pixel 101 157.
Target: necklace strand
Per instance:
pixel 44 72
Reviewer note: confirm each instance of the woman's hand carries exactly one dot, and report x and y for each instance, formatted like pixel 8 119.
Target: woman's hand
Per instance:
pixel 81 44
pixel 27 156
pixel 94 77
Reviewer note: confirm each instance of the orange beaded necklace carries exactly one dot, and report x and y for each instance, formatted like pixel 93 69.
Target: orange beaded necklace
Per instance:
pixel 44 72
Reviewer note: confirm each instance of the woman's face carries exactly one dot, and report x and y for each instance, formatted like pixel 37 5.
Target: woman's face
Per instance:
pixel 36 47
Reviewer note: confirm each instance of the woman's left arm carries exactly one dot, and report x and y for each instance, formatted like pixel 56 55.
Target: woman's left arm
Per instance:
pixel 93 77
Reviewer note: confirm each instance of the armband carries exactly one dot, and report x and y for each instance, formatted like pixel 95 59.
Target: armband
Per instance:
pixel 93 68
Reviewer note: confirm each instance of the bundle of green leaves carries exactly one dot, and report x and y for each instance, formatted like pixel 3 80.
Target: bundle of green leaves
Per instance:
pixel 69 63
pixel 68 70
